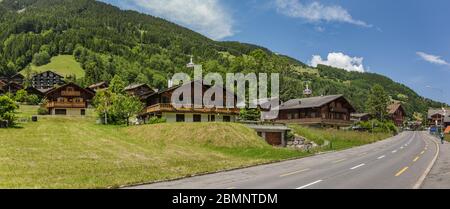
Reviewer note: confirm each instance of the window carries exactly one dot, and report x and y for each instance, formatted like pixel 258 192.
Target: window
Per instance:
pixel 212 118
pixel 226 119
pixel 197 118
pixel 83 112
pixel 60 112
pixel 180 118
pixel 69 88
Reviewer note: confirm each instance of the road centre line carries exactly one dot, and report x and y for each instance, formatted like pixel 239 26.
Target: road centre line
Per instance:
pixel 341 160
pixel 416 159
pixel 401 171
pixel 295 172
pixel 381 157
pixel 394 151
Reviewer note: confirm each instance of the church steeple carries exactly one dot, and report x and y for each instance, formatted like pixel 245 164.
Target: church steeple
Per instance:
pixel 191 64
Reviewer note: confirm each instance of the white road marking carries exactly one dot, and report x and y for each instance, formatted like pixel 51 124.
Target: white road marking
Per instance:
pixel 394 151
pixel 308 185
pixel 358 166
pixel 381 157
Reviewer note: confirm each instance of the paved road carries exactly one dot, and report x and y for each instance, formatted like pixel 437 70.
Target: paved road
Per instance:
pixel 396 163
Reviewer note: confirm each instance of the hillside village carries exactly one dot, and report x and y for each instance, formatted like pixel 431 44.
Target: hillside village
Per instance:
pixel 62 98
pixel 85 108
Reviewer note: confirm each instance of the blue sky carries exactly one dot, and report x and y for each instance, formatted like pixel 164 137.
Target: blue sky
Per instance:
pixel 408 41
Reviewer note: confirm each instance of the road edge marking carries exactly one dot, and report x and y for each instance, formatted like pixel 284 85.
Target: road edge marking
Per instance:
pixel 419 183
pixel 294 172
pixel 310 184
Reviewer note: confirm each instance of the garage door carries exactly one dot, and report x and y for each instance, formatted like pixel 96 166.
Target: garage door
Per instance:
pixel 273 139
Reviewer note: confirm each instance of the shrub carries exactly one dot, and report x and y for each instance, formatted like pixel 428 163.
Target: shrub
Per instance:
pixel 377 126
pixel 7 110
pixel 32 99
pixel 156 120
pixel 42 111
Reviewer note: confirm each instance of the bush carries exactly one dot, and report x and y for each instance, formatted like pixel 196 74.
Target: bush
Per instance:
pixel 42 111
pixel 156 120
pixel 41 58
pixel 377 126
pixel 32 99
pixel 7 110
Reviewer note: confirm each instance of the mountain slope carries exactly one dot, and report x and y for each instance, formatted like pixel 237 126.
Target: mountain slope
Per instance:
pixel 141 48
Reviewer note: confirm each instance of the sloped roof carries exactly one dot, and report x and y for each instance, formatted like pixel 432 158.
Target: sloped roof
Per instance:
pixel 359 115
pixel 134 86
pixel 70 84
pixel 98 84
pixel 432 112
pixel 392 108
pixel 311 102
pixel 447 131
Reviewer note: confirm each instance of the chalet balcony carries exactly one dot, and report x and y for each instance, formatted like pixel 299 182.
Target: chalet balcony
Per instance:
pixel 71 93
pixel 170 108
pixel 312 121
pixel 66 105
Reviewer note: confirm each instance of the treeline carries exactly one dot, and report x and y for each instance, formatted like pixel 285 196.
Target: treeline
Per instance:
pixel 144 49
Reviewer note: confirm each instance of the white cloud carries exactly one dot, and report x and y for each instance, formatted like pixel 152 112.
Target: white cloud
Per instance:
pixel 316 12
pixel 432 58
pixel 208 17
pixel 340 60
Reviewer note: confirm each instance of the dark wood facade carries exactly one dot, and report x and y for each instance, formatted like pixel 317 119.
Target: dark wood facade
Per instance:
pixel 69 99
pixel 327 111
pixel 46 80
pixel 139 90
pixel 99 86
pixel 397 114
pixel 159 104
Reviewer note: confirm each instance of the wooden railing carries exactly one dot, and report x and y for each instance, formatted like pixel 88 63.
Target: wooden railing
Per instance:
pixel 66 105
pixel 171 108
pixel 308 121
pixel 71 93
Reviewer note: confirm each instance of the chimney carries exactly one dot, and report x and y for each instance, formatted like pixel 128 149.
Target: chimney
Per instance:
pixel 170 83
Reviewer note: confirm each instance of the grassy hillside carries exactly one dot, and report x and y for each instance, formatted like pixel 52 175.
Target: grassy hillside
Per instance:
pixel 65 65
pixel 64 152
pixel 339 139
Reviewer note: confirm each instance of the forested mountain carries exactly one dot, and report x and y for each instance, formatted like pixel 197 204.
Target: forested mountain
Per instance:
pixel 145 49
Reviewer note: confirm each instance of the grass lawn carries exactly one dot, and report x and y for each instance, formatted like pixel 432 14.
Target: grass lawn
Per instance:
pixel 64 65
pixel 339 139
pixel 74 152
pixel 447 137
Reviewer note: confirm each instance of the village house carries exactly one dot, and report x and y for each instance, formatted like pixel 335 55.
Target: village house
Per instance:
pixel 436 116
pixel 324 111
pixel 10 87
pixel 17 78
pixel 99 86
pixel 139 90
pixel 69 99
pixel 360 117
pixel 397 114
pixel 159 104
pixel 46 80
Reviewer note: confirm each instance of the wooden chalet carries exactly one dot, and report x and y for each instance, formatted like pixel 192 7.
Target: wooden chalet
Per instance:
pixel 436 116
pixel 159 104
pixel 139 90
pixel 69 99
pixel 46 80
pixel 397 113
pixel 324 111
pixel 99 86
pixel 10 87
pixel 359 117
pixel 17 78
